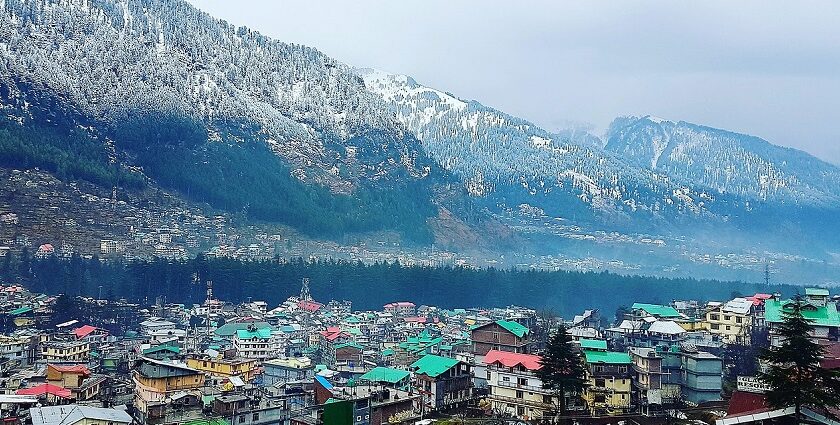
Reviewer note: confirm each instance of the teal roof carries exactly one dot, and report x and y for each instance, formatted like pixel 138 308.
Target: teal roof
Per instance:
pixel 818 292
pixel 593 344
pixel 19 311
pixel 262 333
pixel 349 344
pixel 432 365
pixel 513 327
pixel 820 316
pixel 158 348
pixel 351 319
pixel 230 329
pixel 385 374
pixel 387 352
pixel 657 310
pixel 609 357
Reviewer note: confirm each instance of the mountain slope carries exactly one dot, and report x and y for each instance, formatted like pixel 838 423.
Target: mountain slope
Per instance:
pixel 224 115
pixel 727 162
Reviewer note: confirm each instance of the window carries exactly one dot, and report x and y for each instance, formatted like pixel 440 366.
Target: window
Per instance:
pixel 520 394
pixel 506 379
pixel 739 319
pixel 522 381
pixel 242 419
pixel 714 317
pixel 600 382
pixel 547 399
pixel 256 417
pixel 715 326
pixel 728 327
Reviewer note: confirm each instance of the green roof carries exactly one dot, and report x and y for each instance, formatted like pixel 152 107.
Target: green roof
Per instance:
pixel 19 311
pixel 818 292
pixel 820 316
pixel 230 329
pixel 155 349
pixel 609 357
pixel 385 374
pixel 432 365
pixel 262 333
pixel 349 344
pixel 387 352
pixel 657 310
pixel 351 319
pixel 513 327
pixel 593 344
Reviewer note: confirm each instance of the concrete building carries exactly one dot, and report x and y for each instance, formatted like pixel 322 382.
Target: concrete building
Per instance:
pixel 514 387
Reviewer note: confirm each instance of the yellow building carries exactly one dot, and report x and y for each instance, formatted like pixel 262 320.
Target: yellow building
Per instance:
pixel 66 351
pixel 160 386
pixel 225 368
pixel 732 320
pixel 609 375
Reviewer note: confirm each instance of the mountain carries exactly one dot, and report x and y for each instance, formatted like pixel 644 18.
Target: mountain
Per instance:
pixel 727 162
pixel 132 93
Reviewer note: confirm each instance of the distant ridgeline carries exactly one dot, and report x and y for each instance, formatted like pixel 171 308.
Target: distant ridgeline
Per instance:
pixel 367 286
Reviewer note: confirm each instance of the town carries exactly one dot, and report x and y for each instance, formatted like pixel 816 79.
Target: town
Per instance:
pixel 85 360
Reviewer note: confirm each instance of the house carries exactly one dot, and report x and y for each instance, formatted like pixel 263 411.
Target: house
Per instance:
pixel 647 379
pixel 72 414
pixel 77 379
pixel 443 382
pixel 732 320
pixel 164 390
pixel 609 376
pixel 817 309
pixel 514 387
pixel 386 376
pixel 642 310
pixel 500 335
pixel 66 351
pixel 91 334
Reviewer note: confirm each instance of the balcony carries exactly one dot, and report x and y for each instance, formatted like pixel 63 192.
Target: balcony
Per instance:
pixel 519 386
pixel 520 401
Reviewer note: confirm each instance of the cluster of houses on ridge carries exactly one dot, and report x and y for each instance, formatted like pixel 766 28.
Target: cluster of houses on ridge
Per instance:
pixel 304 362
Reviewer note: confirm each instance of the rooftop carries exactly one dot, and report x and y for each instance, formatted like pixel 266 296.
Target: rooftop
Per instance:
pixel 508 359
pixel 609 357
pixel 385 374
pixel 432 365
pixel 656 310
pixel 593 344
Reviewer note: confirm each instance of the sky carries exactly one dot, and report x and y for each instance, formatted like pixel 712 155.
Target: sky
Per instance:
pixel 767 68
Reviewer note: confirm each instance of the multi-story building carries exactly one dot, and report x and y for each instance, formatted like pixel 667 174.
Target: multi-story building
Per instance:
pixel 295 369
pixel 500 335
pixel 702 376
pixel 77 379
pixel 732 320
pixel 609 376
pixel 253 343
pixel 66 351
pixel 817 308
pixel 400 309
pixel 647 379
pixel 514 387
pixel 221 367
pixel 443 382
pixel 163 391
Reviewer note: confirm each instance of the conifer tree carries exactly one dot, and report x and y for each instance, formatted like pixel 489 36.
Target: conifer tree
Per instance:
pixel 794 373
pixel 562 368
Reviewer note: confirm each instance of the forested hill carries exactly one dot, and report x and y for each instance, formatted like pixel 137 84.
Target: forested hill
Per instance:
pixel 367 286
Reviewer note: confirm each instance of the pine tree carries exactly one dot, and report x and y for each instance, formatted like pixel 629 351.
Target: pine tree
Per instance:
pixel 562 368
pixel 794 373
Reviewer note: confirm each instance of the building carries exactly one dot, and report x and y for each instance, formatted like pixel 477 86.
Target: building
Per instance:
pixel 702 377
pixel 609 375
pixel 163 390
pixel 501 335
pixel 443 382
pixel 77 379
pixel 386 376
pixel 642 310
pixel 732 320
pixel 72 414
pixel 66 351
pixel 514 387
pixel 223 367
pixel 821 312
pixel 280 371
pixel 647 379
pixel 400 309
pixel 253 343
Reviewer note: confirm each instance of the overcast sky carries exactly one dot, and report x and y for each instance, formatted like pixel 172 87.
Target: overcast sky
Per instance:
pixel 767 68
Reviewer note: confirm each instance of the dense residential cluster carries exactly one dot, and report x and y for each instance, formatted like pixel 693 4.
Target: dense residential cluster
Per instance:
pixel 308 362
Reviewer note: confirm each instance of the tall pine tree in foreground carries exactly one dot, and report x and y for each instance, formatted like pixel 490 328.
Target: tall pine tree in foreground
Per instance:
pixel 794 373
pixel 562 368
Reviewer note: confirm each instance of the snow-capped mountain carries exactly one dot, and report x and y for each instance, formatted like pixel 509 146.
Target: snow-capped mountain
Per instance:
pixel 498 155
pixel 160 83
pixel 727 162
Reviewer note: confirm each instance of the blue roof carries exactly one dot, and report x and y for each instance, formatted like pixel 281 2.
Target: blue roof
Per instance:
pixel 323 381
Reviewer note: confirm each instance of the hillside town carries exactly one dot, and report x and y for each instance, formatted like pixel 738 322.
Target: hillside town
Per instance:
pixel 307 361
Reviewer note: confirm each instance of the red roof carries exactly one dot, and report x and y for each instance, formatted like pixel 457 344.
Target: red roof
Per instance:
pixel 83 331
pixel 743 402
pixel 415 319
pixel 45 389
pixel 758 299
pixel 333 333
pixel 71 368
pixel 400 304
pixel 309 305
pixel 507 359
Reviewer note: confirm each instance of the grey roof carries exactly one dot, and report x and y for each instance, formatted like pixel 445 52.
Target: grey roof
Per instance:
pixel 72 413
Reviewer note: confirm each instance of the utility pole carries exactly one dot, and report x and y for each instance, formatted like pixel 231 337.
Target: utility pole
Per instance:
pixel 766 273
